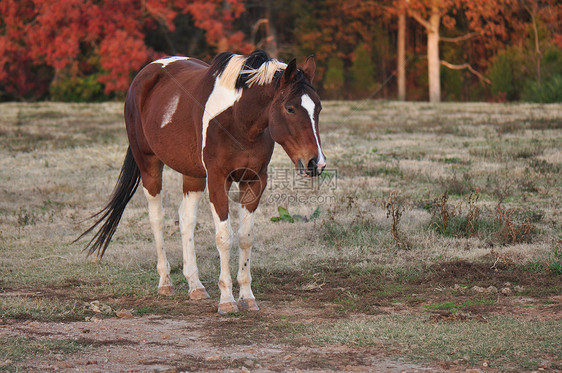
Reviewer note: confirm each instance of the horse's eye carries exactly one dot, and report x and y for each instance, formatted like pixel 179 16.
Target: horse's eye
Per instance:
pixel 290 110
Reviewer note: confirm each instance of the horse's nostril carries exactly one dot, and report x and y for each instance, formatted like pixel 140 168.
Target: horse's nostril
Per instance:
pixel 312 164
pixel 312 167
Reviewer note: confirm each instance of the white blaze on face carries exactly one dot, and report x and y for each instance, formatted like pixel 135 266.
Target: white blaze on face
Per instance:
pixel 310 106
pixel 170 110
pixel 220 99
pixel 168 60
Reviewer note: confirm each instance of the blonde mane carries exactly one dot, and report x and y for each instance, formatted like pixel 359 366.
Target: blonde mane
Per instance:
pixel 262 75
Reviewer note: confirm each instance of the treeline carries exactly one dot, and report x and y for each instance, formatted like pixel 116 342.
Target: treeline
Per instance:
pixel 450 50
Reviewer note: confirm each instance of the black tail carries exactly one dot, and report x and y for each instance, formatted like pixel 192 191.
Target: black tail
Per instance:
pixel 127 184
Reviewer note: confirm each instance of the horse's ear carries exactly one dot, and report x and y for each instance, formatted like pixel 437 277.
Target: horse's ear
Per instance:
pixel 290 72
pixel 309 68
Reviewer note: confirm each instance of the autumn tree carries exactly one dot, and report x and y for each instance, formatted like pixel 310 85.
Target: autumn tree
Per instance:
pixel 484 18
pixel 58 39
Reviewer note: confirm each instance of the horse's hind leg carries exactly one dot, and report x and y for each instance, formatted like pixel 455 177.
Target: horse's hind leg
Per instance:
pixel 193 190
pixel 151 175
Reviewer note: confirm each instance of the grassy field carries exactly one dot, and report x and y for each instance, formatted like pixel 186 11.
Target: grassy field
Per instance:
pixel 437 236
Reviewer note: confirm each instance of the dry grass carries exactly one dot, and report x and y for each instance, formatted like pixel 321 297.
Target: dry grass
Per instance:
pixel 59 163
pixel 496 342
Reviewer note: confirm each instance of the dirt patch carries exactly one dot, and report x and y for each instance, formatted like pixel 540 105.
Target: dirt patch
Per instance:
pixel 206 342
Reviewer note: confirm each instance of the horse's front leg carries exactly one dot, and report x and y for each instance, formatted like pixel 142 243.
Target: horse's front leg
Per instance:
pixel 224 237
pixel 250 194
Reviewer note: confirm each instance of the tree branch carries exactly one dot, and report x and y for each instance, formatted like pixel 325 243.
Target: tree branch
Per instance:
pixel 459 38
pixel 466 66
pixel 420 19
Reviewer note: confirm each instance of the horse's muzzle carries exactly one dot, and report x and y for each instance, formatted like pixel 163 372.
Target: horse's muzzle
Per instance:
pixel 312 169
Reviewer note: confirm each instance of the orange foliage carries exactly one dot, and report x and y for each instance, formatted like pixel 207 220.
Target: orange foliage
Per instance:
pixel 58 33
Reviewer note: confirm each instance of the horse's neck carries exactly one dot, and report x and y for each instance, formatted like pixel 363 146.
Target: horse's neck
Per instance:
pixel 252 110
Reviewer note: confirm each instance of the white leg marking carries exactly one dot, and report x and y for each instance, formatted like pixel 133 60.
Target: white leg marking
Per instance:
pixel 224 238
pixel 220 99
pixel 168 60
pixel 156 216
pixel 188 218
pixel 170 111
pixel 309 105
pixel 245 240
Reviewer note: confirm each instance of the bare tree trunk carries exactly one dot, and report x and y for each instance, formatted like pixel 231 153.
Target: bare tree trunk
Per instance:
pixel 433 61
pixel 537 45
pixel 402 56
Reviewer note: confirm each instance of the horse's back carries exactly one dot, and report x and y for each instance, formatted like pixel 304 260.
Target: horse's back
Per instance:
pixel 163 111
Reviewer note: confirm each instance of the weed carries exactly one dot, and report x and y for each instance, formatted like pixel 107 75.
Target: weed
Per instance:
pixel 26 217
pixel 442 213
pixel 473 214
pixel 395 207
pixel 285 216
pixel 458 185
pixel 510 231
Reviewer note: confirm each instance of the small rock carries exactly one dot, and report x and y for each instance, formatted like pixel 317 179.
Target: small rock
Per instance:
pixel 245 370
pixel 492 289
pixel 478 289
pixel 124 314
pixel 519 289
pixel 507 284
pixel 212 358
pixel 506 291
pixel 459 288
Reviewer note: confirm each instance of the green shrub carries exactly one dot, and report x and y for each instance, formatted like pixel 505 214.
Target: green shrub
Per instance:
pixel 507 74
pixel 78 89
pixel 335 77
pixel 362 72
pixel 547 91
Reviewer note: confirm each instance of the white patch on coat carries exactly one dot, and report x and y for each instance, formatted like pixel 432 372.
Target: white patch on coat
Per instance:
pixel 310 106
pixel 220 99
pixel 188 218
pixel 170 111
pixel 224 238
pixel 168 60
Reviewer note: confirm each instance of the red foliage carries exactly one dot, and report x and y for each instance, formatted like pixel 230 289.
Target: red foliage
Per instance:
pixel 59 33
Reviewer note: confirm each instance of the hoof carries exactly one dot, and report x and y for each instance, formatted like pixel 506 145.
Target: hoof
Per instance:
pixel 248 305
pixel 228 307
pixel 198 294
pixel 166 290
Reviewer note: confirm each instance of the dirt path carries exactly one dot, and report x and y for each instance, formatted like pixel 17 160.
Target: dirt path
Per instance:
pixel 206 342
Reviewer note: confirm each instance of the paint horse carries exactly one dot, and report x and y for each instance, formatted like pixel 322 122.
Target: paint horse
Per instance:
pixel 214 124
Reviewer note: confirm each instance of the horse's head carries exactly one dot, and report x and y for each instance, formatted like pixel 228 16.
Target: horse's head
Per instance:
pixel 294 118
